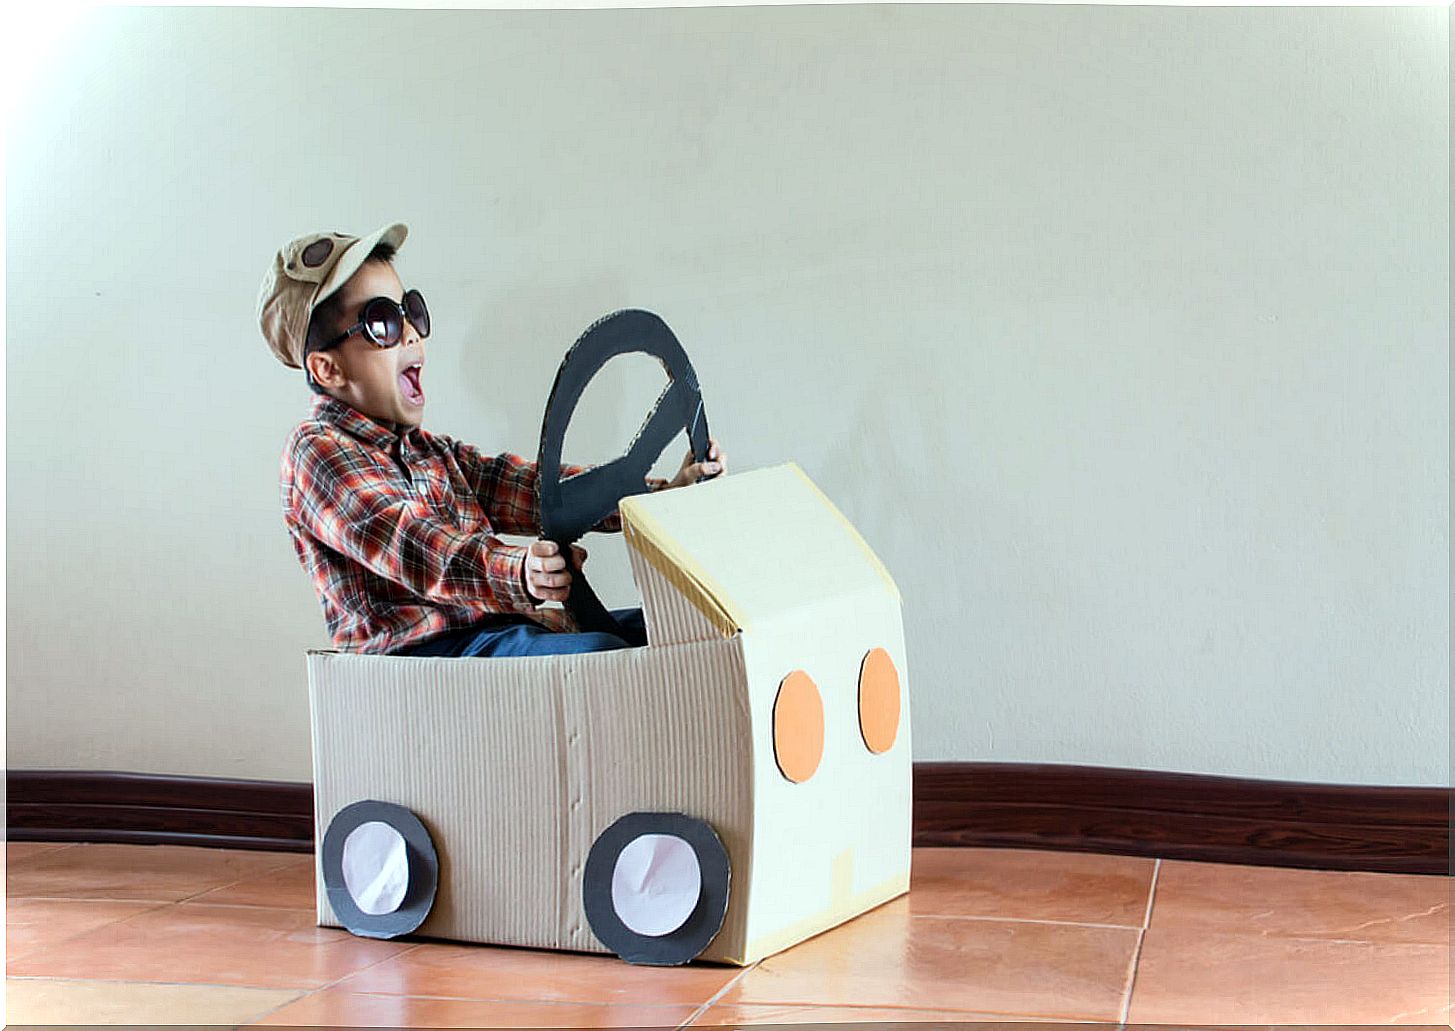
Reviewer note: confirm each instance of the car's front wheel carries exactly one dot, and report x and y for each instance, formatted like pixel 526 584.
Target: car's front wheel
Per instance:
pixel 655 887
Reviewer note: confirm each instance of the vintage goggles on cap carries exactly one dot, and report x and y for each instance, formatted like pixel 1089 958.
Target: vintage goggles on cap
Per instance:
pixel 381 320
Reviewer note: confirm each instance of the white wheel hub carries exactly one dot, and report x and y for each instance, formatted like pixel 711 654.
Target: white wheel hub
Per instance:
pixel 376 868
pixel 656 884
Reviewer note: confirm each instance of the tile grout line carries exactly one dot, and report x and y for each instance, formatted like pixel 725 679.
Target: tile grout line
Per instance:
pixel 719 994
pixel 155 983
pixel 270 869
pixel 90 898
pixel 233 884
pixel 1137 951
pixel 192 904
pixel 153 905
pixel 513 1000
pixel 1151 895
pixel 979 1014
pixel 1021 920
pixel 198 900
pixel 304 990
pixel 305 993
pixel 189 901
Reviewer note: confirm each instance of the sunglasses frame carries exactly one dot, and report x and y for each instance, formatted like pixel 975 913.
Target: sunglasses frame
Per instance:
pixel 369 333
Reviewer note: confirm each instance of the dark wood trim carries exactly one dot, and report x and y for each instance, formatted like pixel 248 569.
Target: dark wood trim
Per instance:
pixel 1004 805
pixel 1183 816
pixel 153 809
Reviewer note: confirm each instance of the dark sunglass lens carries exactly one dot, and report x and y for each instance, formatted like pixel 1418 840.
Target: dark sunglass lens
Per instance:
pixel 381 320
pixel 418 314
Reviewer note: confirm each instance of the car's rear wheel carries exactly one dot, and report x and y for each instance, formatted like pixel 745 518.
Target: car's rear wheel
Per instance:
pixel 655 888
pixel 379 868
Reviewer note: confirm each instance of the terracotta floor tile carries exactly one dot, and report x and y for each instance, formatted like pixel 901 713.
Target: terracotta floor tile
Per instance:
pixel 1028 885
pixel 1249 1027
pixel 288 887
pixel 337 1008
pixel 161 873
pixel 985 936
pixel 32 924
pixel 881 1018
pixel 228 945
pixel 890 958
pixel 487 972
pixel 1303 903
pixel 54 1002
pixel 20 851
pixel 1189 974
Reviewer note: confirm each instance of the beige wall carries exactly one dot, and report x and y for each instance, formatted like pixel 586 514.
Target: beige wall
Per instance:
pixel 1121 333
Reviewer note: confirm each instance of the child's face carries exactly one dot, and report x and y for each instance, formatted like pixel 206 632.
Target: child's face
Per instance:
pixel 373 379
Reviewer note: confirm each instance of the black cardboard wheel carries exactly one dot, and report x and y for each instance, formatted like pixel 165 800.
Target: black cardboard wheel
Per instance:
pixel 676 942
pixel 420 859
pixel 572 506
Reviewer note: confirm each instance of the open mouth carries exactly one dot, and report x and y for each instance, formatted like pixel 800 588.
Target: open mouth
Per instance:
pixel 409 384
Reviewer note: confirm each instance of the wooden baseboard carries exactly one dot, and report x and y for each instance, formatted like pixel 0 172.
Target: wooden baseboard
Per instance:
pixel 155 809
pixel 1184 816
pixel 1005 805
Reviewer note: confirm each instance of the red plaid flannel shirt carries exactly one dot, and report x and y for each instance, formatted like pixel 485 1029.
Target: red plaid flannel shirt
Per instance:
pixel 398 531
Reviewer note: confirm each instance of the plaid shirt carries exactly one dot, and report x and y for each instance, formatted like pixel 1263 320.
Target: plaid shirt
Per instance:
pixel 398 530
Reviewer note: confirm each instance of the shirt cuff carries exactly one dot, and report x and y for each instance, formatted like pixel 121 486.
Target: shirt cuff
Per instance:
pixel 505 572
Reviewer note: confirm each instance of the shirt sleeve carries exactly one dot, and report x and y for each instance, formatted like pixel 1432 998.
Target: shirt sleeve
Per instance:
pixel 506 487
pixel 342 498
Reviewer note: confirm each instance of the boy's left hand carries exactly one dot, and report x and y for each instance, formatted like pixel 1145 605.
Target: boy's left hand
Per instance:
pixel 691 471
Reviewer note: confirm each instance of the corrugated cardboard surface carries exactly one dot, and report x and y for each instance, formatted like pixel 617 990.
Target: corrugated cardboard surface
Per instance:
pixel 755 544
pixel 675 612
pixel 770 551
pixel 837 844
pixel 516 765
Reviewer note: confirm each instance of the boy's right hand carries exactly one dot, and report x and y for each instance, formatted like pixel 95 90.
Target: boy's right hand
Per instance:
pixel 546 575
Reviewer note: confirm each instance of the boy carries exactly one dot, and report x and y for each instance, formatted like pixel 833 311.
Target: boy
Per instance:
pixel 397 525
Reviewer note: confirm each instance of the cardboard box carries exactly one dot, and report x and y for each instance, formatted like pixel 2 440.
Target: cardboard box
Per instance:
pixel 759 598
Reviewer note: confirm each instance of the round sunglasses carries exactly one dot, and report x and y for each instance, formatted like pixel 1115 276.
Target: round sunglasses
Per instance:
pixel 381 320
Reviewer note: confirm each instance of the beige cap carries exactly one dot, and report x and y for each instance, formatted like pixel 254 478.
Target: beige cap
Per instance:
pixel 303 273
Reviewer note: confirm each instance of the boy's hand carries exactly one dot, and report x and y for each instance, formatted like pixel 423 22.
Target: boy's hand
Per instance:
pixel 692 471
pixel 546 576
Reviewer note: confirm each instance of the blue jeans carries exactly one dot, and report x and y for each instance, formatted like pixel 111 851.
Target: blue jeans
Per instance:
pixel 494 638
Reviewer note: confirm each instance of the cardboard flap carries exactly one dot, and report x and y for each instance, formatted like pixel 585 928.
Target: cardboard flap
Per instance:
pixel 750 546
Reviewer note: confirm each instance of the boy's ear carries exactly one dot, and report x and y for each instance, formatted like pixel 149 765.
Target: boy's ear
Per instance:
pixel 324 368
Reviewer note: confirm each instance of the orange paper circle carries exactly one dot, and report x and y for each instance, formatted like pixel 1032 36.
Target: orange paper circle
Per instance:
pixel 798 727
pixel 878 701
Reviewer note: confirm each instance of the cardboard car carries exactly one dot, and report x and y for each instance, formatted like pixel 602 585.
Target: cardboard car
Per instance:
pixel 737 785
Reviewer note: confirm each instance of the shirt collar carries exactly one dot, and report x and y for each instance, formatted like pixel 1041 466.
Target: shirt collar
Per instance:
pixel 349 419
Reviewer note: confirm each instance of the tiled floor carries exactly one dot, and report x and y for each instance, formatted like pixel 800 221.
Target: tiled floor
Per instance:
pixel 102 934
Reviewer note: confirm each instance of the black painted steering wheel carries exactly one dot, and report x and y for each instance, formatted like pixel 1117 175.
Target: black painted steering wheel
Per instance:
pixel 572 506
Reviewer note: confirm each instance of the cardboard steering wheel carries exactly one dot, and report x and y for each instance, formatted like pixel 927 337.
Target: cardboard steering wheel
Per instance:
pixel 569 507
